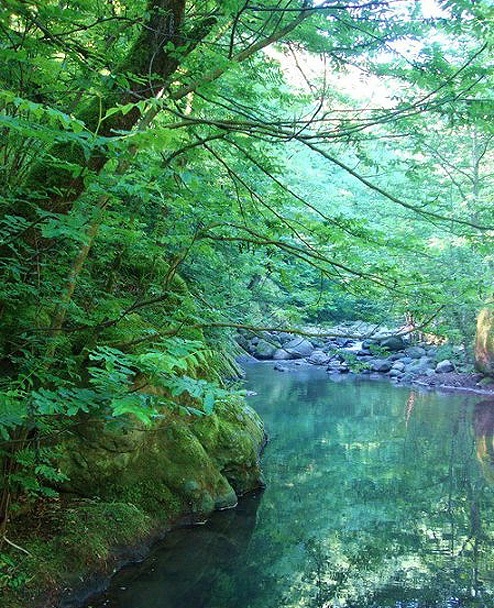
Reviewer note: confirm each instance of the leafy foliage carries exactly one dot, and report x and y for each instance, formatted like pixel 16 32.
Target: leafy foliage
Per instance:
pixel 172 168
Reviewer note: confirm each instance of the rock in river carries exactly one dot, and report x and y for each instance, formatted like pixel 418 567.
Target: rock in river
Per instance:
pixel 444 367
pixel 298 348
pixel 264 350
pixel 318 357
pixel 393 343
pixel 381 365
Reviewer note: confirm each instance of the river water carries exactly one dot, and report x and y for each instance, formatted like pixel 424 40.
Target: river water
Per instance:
pixel 377 497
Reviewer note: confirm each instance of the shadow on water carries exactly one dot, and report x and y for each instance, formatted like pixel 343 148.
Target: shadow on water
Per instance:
pixel 189 564
pixel 377 497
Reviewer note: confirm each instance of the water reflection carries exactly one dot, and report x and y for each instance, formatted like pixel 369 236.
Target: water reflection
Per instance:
pixel 483 423
pixel 377 497
pixel 189 565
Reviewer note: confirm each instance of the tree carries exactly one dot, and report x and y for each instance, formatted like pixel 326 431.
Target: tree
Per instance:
pixel 143 148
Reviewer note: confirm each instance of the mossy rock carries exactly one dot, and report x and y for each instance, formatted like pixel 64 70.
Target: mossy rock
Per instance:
pixel 126 488
pixel 180 466
pixel 486 381
pixel 484 341
pixel 234 441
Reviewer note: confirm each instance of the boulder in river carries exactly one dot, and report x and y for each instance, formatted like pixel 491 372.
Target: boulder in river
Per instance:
pixel 415 352
pixel 381 366
pixel 282 354
pixel 395 373
pixel 299 347
pixel 283 337
pixel 393 343
pixel 417 368
pixel 264 350
pixel 444 367
pixel 318 357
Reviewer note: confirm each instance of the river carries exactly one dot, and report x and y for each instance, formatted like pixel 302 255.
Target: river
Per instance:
pixel 377 496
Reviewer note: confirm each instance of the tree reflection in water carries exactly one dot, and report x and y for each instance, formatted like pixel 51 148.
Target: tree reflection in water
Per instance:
pixel 377 497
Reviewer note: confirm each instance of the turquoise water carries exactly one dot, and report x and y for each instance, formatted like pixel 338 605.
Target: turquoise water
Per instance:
pixel 377 496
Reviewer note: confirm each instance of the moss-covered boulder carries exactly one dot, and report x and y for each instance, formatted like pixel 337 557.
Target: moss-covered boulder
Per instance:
pixel 181 466
pixel 484 341
pixel 127 486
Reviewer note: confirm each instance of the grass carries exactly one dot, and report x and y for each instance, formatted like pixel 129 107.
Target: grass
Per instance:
pixel 68 543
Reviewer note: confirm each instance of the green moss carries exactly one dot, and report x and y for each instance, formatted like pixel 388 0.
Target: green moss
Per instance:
pixel 234 440
pixel 136 480
pixel 216 452
pixel 488 381
pixel 156 500
pixel 84 539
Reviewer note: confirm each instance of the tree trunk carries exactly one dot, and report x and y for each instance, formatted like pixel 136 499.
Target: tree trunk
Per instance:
pixel 148 66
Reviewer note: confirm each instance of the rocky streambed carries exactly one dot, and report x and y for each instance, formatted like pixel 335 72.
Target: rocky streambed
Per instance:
pixel 382 355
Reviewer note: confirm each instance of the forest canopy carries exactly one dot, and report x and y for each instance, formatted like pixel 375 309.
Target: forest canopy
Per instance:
pixel 174 169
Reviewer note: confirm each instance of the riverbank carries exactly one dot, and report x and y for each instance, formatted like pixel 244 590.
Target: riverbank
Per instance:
pixel 126 489
pixel 370 351
pixel 465 382
pixel 474 383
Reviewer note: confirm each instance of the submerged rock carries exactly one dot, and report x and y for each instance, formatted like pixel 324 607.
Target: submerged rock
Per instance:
pixel 338 368
pixel 280 368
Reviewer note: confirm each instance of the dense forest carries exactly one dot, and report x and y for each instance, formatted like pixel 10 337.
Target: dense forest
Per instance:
pixel 175 170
